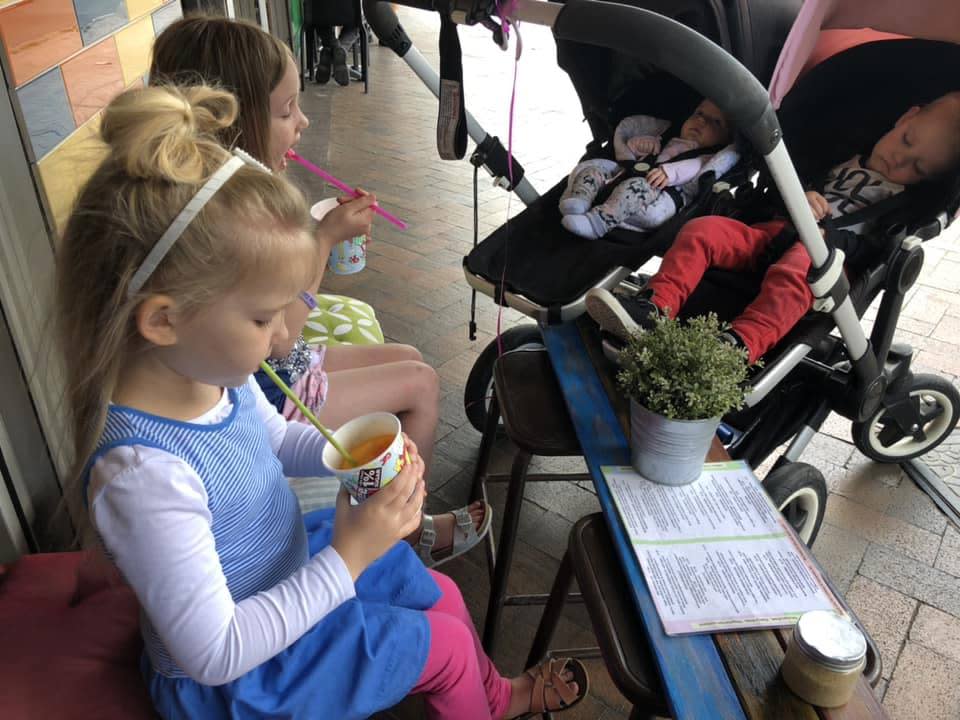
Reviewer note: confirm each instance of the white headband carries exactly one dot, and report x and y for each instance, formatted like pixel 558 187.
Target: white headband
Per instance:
pixel 186 216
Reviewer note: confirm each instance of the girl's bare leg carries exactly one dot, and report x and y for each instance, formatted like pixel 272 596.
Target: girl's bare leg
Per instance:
pixel 350 357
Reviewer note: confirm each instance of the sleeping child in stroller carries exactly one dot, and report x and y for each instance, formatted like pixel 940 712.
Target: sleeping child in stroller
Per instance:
pixel 923 145
pixel 652 193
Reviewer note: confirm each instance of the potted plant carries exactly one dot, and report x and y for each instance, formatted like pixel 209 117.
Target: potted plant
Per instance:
pixel 681 378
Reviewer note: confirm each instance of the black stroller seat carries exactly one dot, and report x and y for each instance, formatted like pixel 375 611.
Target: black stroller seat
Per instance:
pixel 534 259
pixel 805 376
pixel 534 265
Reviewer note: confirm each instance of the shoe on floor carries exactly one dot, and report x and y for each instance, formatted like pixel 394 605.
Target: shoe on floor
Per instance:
pixel 324 65
pixel 340 72
pixel 621 316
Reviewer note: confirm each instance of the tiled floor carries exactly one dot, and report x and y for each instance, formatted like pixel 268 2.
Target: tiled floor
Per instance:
pixel 883 542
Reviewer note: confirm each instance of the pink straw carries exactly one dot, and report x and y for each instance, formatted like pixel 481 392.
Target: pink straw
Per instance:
pixel 343 187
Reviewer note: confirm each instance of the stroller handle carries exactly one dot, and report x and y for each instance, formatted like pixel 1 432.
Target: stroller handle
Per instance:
pixel 634 31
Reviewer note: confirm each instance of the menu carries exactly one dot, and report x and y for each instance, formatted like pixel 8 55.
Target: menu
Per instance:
pixel 716 554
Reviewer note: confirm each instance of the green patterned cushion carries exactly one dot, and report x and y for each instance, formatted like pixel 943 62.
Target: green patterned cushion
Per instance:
pixel 339 320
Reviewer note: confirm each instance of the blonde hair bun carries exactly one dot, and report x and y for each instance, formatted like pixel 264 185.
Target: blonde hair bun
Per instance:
pixel 167 132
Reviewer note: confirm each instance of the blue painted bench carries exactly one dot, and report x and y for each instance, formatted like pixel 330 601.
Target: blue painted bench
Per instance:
pixel 705 677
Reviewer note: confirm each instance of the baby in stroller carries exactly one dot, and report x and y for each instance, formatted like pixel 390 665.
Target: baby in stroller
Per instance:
pixel 923 145
pixel 649 196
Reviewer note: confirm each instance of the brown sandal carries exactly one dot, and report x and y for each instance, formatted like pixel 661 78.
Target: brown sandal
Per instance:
pixel 546 676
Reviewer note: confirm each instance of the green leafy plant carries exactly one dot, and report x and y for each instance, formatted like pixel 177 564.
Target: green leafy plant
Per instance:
pixel 684 371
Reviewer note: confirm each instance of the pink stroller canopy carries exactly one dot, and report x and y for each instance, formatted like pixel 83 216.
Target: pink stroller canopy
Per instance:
pixel 927 19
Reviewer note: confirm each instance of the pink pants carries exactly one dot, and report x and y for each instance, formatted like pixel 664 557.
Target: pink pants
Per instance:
pixel 728 244
pixel 459 680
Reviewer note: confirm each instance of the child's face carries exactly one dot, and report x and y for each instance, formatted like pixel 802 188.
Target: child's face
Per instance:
pixel 707 126
pixel 917 148
pixel 286 119
pixel 223 343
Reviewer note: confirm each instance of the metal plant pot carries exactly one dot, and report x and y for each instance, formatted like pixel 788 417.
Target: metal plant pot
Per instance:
pixel 670 452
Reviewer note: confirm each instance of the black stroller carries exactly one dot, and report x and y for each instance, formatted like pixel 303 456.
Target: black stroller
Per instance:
pixel 550 270
pixel 896 414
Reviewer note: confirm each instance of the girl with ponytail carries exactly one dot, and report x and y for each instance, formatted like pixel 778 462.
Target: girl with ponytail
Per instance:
pixel 341 381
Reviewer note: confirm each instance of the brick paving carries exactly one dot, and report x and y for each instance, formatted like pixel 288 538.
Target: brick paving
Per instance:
pixel 883 541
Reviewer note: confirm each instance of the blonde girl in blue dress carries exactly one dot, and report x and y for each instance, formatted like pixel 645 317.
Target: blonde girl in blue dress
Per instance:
pixel 173 276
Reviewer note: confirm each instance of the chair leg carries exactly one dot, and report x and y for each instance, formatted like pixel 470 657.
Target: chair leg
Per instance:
pixel 508 536
pixel 478 487
pixel 365 59
pixel 552 611
pixel 487 442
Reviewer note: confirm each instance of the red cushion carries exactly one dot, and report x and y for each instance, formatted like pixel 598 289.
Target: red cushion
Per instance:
pixel 69 642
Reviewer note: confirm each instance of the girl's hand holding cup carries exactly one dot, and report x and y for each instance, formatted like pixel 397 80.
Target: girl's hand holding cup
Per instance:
pixel 353 216
pixel 344 227
pixel 364 532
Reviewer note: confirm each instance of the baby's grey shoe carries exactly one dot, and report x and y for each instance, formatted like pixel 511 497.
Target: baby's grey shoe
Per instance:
pixel 579 225
pixel 573 205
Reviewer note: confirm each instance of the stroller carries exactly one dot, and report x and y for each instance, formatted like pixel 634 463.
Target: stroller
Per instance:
pixel 550 270
pixel 895 414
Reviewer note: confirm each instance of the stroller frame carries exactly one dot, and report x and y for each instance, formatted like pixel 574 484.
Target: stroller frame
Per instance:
pixel 866 380
pixel 735 90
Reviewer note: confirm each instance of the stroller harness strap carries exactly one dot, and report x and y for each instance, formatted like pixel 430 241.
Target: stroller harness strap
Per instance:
pixel 641 168
pixel 452 117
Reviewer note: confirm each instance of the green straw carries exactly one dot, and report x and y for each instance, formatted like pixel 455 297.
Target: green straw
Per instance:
pixel 306 413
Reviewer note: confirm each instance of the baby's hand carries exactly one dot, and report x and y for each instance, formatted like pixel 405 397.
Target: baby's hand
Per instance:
pixel 657 179
pixel 351 218
pixel 643 145
pixel 364 532
pixel 818 204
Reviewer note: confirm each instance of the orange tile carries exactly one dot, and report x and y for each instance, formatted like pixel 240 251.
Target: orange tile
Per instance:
pixel 38 34
pixel 92 79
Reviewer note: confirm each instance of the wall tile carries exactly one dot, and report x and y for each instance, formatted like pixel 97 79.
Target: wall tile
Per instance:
pixel 134 43
pixel 64 170
pixel 165 16
pixel 136 8
pixel 38 34
pixel 99 17
pixel 92 78
pixel 46 111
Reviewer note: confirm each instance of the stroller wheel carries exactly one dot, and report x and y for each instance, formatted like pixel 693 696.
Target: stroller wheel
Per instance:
pixel 479 387
pixel 912 427
pixel 799 492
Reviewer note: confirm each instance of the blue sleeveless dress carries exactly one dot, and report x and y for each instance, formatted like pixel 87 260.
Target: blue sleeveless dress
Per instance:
pixel 362 657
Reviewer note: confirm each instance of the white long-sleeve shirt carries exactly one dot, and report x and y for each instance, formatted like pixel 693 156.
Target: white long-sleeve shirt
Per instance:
pixel 150 509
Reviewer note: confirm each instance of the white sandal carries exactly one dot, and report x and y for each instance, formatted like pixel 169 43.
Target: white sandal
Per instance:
pixel 465 535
